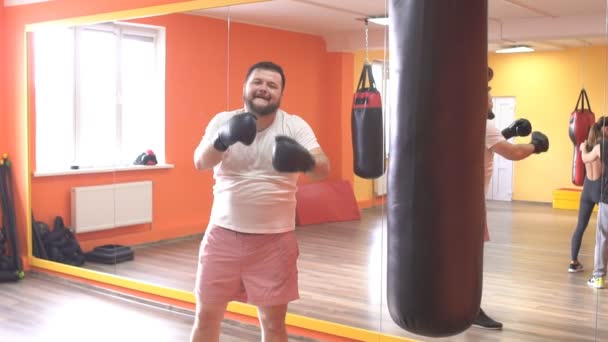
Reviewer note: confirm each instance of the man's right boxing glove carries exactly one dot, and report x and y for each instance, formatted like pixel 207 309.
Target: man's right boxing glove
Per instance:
pixel 241 127
pixel 519 128
pixel 289 156
pixel 540 142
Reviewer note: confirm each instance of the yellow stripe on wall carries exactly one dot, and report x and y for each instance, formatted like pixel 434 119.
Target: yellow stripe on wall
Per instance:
pixel 140 13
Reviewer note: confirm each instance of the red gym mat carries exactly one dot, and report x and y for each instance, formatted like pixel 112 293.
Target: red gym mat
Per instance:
pixel 326 202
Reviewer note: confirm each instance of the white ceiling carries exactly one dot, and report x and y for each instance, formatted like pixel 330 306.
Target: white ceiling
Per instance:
pixel 8 3
pixel 544 24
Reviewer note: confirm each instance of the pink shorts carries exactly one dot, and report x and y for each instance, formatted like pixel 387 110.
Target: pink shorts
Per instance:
pixel 260 269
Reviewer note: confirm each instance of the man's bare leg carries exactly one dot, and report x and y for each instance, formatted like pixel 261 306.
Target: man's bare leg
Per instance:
pixel 272 320
pixel 207 322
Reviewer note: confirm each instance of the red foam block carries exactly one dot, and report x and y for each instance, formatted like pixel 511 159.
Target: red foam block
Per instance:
pixel 322 202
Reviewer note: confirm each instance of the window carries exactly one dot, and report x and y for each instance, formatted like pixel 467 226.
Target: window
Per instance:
pixel 99 95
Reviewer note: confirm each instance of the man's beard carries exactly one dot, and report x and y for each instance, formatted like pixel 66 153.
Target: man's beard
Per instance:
pixel 262 110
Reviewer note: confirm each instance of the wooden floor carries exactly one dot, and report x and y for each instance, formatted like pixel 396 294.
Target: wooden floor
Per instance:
pixel 526 285
pixel 45 308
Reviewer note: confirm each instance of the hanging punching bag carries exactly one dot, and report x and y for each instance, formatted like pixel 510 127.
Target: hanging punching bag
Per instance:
pixel 581 120
pixel 366 124
pixel 438 65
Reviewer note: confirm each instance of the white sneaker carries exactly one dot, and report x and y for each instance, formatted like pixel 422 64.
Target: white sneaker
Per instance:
pixel 576 267
pixel 596 282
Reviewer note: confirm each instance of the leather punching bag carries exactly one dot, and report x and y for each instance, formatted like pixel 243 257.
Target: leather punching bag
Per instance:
pixel 438 65
pixel 366 125
pixel 581 121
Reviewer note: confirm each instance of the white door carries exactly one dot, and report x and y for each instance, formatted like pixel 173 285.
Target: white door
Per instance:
pixel 501 183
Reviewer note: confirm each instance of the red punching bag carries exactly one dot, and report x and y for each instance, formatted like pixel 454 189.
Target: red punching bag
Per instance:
pixel 367 130
pixel 581 120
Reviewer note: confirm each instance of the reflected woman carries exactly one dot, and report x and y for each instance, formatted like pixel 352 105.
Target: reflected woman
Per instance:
pixel 601 243
pixel 590 195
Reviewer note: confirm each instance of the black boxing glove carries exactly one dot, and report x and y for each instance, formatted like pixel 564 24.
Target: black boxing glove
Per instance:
pixel 146 158
pixel 540 142
pixel 241 127
pixel 289 156
pixel 519 128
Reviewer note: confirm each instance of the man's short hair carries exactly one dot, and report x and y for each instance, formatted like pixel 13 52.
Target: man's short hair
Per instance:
pixel 266 65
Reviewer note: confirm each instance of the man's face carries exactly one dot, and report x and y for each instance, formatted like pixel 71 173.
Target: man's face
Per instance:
pixel 490 104
pixel 262 92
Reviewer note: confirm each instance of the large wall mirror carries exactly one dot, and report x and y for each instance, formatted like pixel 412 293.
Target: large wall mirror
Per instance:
pixel 103 93
pixel 189 65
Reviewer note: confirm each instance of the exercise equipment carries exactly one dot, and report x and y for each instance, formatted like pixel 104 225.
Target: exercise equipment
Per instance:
pixel 110 254
pixel 61 244
pixel 329 201
pixel 581 120
pixel 146 158
pixel 6 262
pixel 289 156
pixel 239 128
pixel 518 128
pixel 438 58
pixel 540 142
pixel 366 125
pixel 12 269
pixel 39 232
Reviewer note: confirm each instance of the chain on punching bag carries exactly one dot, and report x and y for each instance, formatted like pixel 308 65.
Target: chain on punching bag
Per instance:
pixel 580 122
pixel 366 122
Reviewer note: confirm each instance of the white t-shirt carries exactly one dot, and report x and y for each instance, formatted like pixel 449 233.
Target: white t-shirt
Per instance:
pixel 249 195
pixel 493 136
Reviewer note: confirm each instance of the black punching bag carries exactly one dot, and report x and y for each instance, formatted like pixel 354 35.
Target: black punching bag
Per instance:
pixel 366 125
pixel 438 65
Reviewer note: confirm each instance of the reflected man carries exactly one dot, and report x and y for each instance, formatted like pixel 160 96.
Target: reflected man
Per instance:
pixel 496 142
pixel 249 250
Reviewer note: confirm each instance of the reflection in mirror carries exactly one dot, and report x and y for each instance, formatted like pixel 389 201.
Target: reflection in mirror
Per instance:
pixel 97 106
pixel 99 83
pixel 339 263
pixel 206 56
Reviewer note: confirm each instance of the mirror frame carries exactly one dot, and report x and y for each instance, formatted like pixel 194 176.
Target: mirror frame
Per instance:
pixel 139 288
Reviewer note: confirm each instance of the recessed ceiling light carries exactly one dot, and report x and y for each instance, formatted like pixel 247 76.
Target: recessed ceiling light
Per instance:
pixel 515 49
pixel 379 20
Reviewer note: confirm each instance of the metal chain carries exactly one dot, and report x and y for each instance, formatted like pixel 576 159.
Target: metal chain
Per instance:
pixel 366 43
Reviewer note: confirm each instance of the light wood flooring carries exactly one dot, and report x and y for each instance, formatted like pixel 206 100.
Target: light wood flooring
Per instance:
pixel 526 285
pixel 46 308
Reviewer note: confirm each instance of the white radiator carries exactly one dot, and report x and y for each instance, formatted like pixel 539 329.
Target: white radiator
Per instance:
pixel 110 206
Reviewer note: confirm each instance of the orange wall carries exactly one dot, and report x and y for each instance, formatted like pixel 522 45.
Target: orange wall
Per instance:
pixel 341 67
pixel 318 87
pixel 14 123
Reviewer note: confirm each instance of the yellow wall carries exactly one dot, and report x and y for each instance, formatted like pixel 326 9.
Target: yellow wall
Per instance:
pixel 363 187
pixel 546 86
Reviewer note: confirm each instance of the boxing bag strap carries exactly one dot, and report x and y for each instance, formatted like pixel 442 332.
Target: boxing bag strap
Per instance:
pixel 582 97
pixel 366 73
